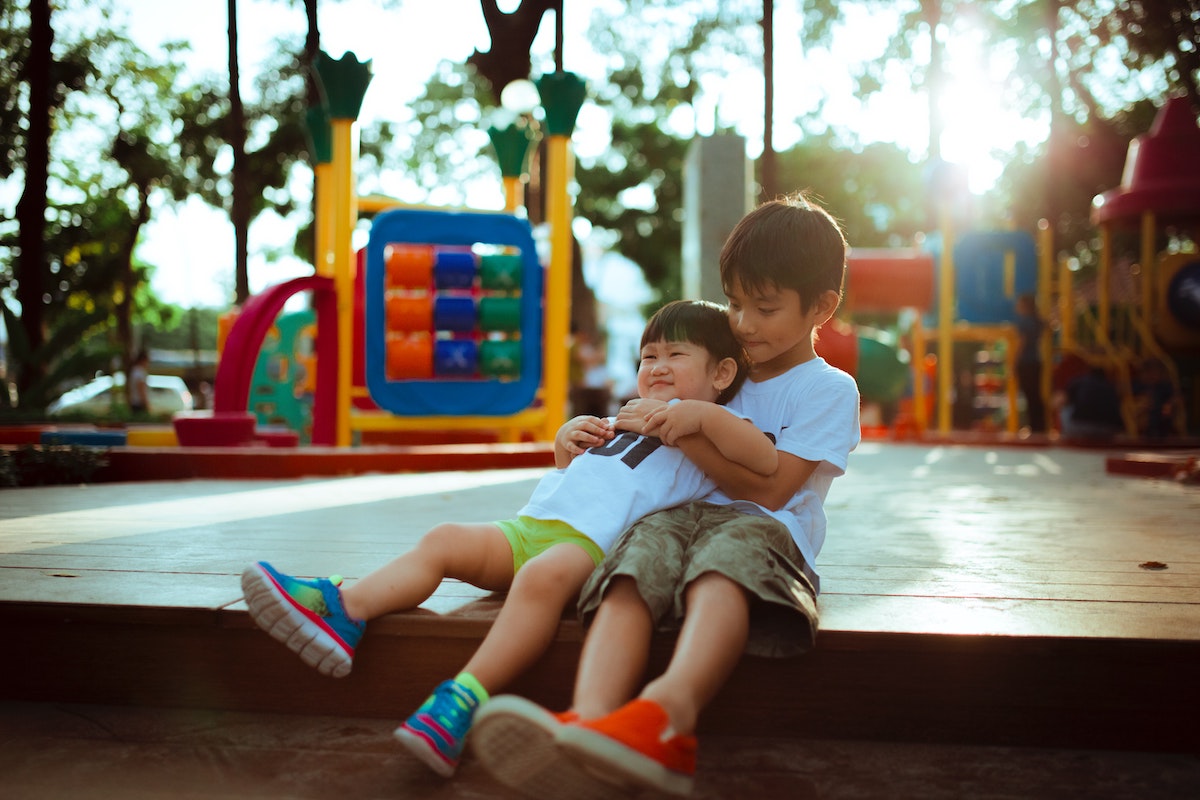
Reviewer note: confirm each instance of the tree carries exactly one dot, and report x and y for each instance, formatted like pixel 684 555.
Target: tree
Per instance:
pixel 31 208
pixel 111 150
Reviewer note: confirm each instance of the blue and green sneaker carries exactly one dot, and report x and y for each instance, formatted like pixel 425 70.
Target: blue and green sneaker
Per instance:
pixel 437 731
pixel 306 615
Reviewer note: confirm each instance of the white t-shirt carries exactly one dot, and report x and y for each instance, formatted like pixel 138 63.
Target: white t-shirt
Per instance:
pixel 606 489
pixel 812 412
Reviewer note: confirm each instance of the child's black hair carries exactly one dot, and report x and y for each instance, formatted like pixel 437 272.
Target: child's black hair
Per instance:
pixel 789 243
pixel 702 323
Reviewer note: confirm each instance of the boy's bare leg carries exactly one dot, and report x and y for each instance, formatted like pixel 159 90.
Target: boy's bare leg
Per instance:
pixel 529 618
pixel 477 553
pixel 708 649
pixel 615 651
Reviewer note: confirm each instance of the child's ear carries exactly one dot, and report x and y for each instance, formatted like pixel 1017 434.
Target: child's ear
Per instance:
pixel 826 304
pixel 726 371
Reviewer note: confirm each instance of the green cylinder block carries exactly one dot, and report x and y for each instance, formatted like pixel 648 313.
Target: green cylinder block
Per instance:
pixel 500 272
pixel 500 313
pixel 500 358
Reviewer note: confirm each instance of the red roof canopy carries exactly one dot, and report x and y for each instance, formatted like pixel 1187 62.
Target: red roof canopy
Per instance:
pixel 1162 171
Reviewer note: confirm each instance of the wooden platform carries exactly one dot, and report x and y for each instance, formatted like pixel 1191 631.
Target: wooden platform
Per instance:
pixel 1009 596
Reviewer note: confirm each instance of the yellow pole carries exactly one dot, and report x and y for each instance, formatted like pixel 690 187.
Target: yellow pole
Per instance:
pixel 920 418
pixel 559 169
pixel 324 212
pixel 1011 343
pixel 1102 280
pixel 1149 265
pixel 512 193
pixel 1066 301
pixel 946 325
pixel 345 215
pixel 1045 301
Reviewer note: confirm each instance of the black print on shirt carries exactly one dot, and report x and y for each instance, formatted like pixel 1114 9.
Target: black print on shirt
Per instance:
pixel 644 447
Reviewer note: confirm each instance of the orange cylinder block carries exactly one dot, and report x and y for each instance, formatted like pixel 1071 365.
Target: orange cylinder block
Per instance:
pixel 408 314
pixel 409 357
pixel 409 266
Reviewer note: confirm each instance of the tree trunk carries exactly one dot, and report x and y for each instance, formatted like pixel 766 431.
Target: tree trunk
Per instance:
pixel 935 78
pixel 312 48
pixel 240 210
pixel 31 208
pixel 770 181
pixel 1055 161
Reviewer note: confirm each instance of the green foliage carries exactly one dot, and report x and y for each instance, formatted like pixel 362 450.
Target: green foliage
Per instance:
pixel 36 465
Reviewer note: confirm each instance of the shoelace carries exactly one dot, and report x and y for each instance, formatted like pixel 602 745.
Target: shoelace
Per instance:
pixel 451 708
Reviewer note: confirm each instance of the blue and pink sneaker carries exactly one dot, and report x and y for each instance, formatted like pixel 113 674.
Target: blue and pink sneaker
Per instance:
pixel 306 615
pixel 437 731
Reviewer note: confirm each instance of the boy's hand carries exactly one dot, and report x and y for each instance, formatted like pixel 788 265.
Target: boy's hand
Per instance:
pixel 672 422
pixel 634 415
pixel 580 433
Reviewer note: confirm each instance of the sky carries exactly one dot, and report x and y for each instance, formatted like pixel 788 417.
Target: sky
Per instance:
pixel 193 244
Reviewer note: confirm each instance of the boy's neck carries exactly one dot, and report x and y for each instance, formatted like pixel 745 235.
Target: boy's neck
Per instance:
pixel 777 366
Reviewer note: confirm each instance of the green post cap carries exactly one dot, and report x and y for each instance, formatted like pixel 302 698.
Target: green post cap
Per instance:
pixel 511 144
pixel 562 96
pixel 320 135
pixel 343 83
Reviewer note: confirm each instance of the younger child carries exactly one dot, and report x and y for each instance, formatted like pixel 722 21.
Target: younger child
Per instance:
pixel 605 480
pixel 734 572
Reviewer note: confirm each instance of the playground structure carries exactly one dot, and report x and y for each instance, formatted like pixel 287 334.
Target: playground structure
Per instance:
pixel 447 322
pixel 444 322
pixel 966 295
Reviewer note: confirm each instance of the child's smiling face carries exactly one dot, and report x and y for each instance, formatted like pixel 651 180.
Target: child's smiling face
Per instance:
pixel 678 371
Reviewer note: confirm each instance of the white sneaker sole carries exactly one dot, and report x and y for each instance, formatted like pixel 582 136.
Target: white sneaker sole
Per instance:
pixel 514 740
pixel 274 613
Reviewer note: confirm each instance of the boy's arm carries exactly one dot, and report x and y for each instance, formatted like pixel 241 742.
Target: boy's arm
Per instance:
pixel 577 435
pixel 769 491
pixel 735 438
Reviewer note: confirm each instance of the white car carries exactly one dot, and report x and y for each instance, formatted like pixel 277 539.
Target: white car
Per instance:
pixel 168 394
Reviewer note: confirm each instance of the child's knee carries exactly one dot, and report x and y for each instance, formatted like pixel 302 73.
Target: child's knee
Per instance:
pixel 552 576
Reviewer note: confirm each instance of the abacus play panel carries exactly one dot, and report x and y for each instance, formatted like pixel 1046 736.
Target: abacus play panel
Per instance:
pixel 453 313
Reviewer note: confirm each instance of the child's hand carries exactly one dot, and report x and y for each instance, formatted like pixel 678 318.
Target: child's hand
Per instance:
pixel 677 420
pixel 582 432
pixel 634 415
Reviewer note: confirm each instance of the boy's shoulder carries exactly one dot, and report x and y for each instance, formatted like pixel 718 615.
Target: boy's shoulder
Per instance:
pixel 816 372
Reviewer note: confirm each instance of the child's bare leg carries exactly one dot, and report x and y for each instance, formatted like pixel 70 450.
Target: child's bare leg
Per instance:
pixel 709 647
pixel 477 553
pixel 615 651
pixel 530 615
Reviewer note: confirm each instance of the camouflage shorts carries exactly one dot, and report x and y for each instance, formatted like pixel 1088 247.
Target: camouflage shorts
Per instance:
pixel 666 551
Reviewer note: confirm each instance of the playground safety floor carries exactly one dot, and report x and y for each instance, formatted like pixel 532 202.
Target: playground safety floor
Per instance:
pixel 988 542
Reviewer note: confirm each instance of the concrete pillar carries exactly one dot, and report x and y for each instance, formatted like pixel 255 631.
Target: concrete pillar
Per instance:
pixel 718 190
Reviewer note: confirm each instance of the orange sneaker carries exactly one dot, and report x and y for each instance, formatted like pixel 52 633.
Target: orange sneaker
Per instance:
pixel 632 743
pixel 514 740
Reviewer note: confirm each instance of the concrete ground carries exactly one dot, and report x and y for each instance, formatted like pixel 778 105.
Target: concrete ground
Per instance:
pixel 48 752
pixel 946 539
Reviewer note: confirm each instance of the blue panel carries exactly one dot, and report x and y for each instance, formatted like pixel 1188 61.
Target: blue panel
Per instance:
pixel 979 289
pixel 85 438
pixel 459 396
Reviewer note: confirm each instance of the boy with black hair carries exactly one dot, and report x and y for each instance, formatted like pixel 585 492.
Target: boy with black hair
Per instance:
pixel 735 571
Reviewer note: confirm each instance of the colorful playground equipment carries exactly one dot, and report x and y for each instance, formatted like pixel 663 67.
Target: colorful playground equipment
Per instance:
pixel 968 290
pixel 448 321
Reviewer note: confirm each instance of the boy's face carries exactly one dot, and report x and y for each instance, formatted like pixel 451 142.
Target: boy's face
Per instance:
pixel 678 371
pixel 772 327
